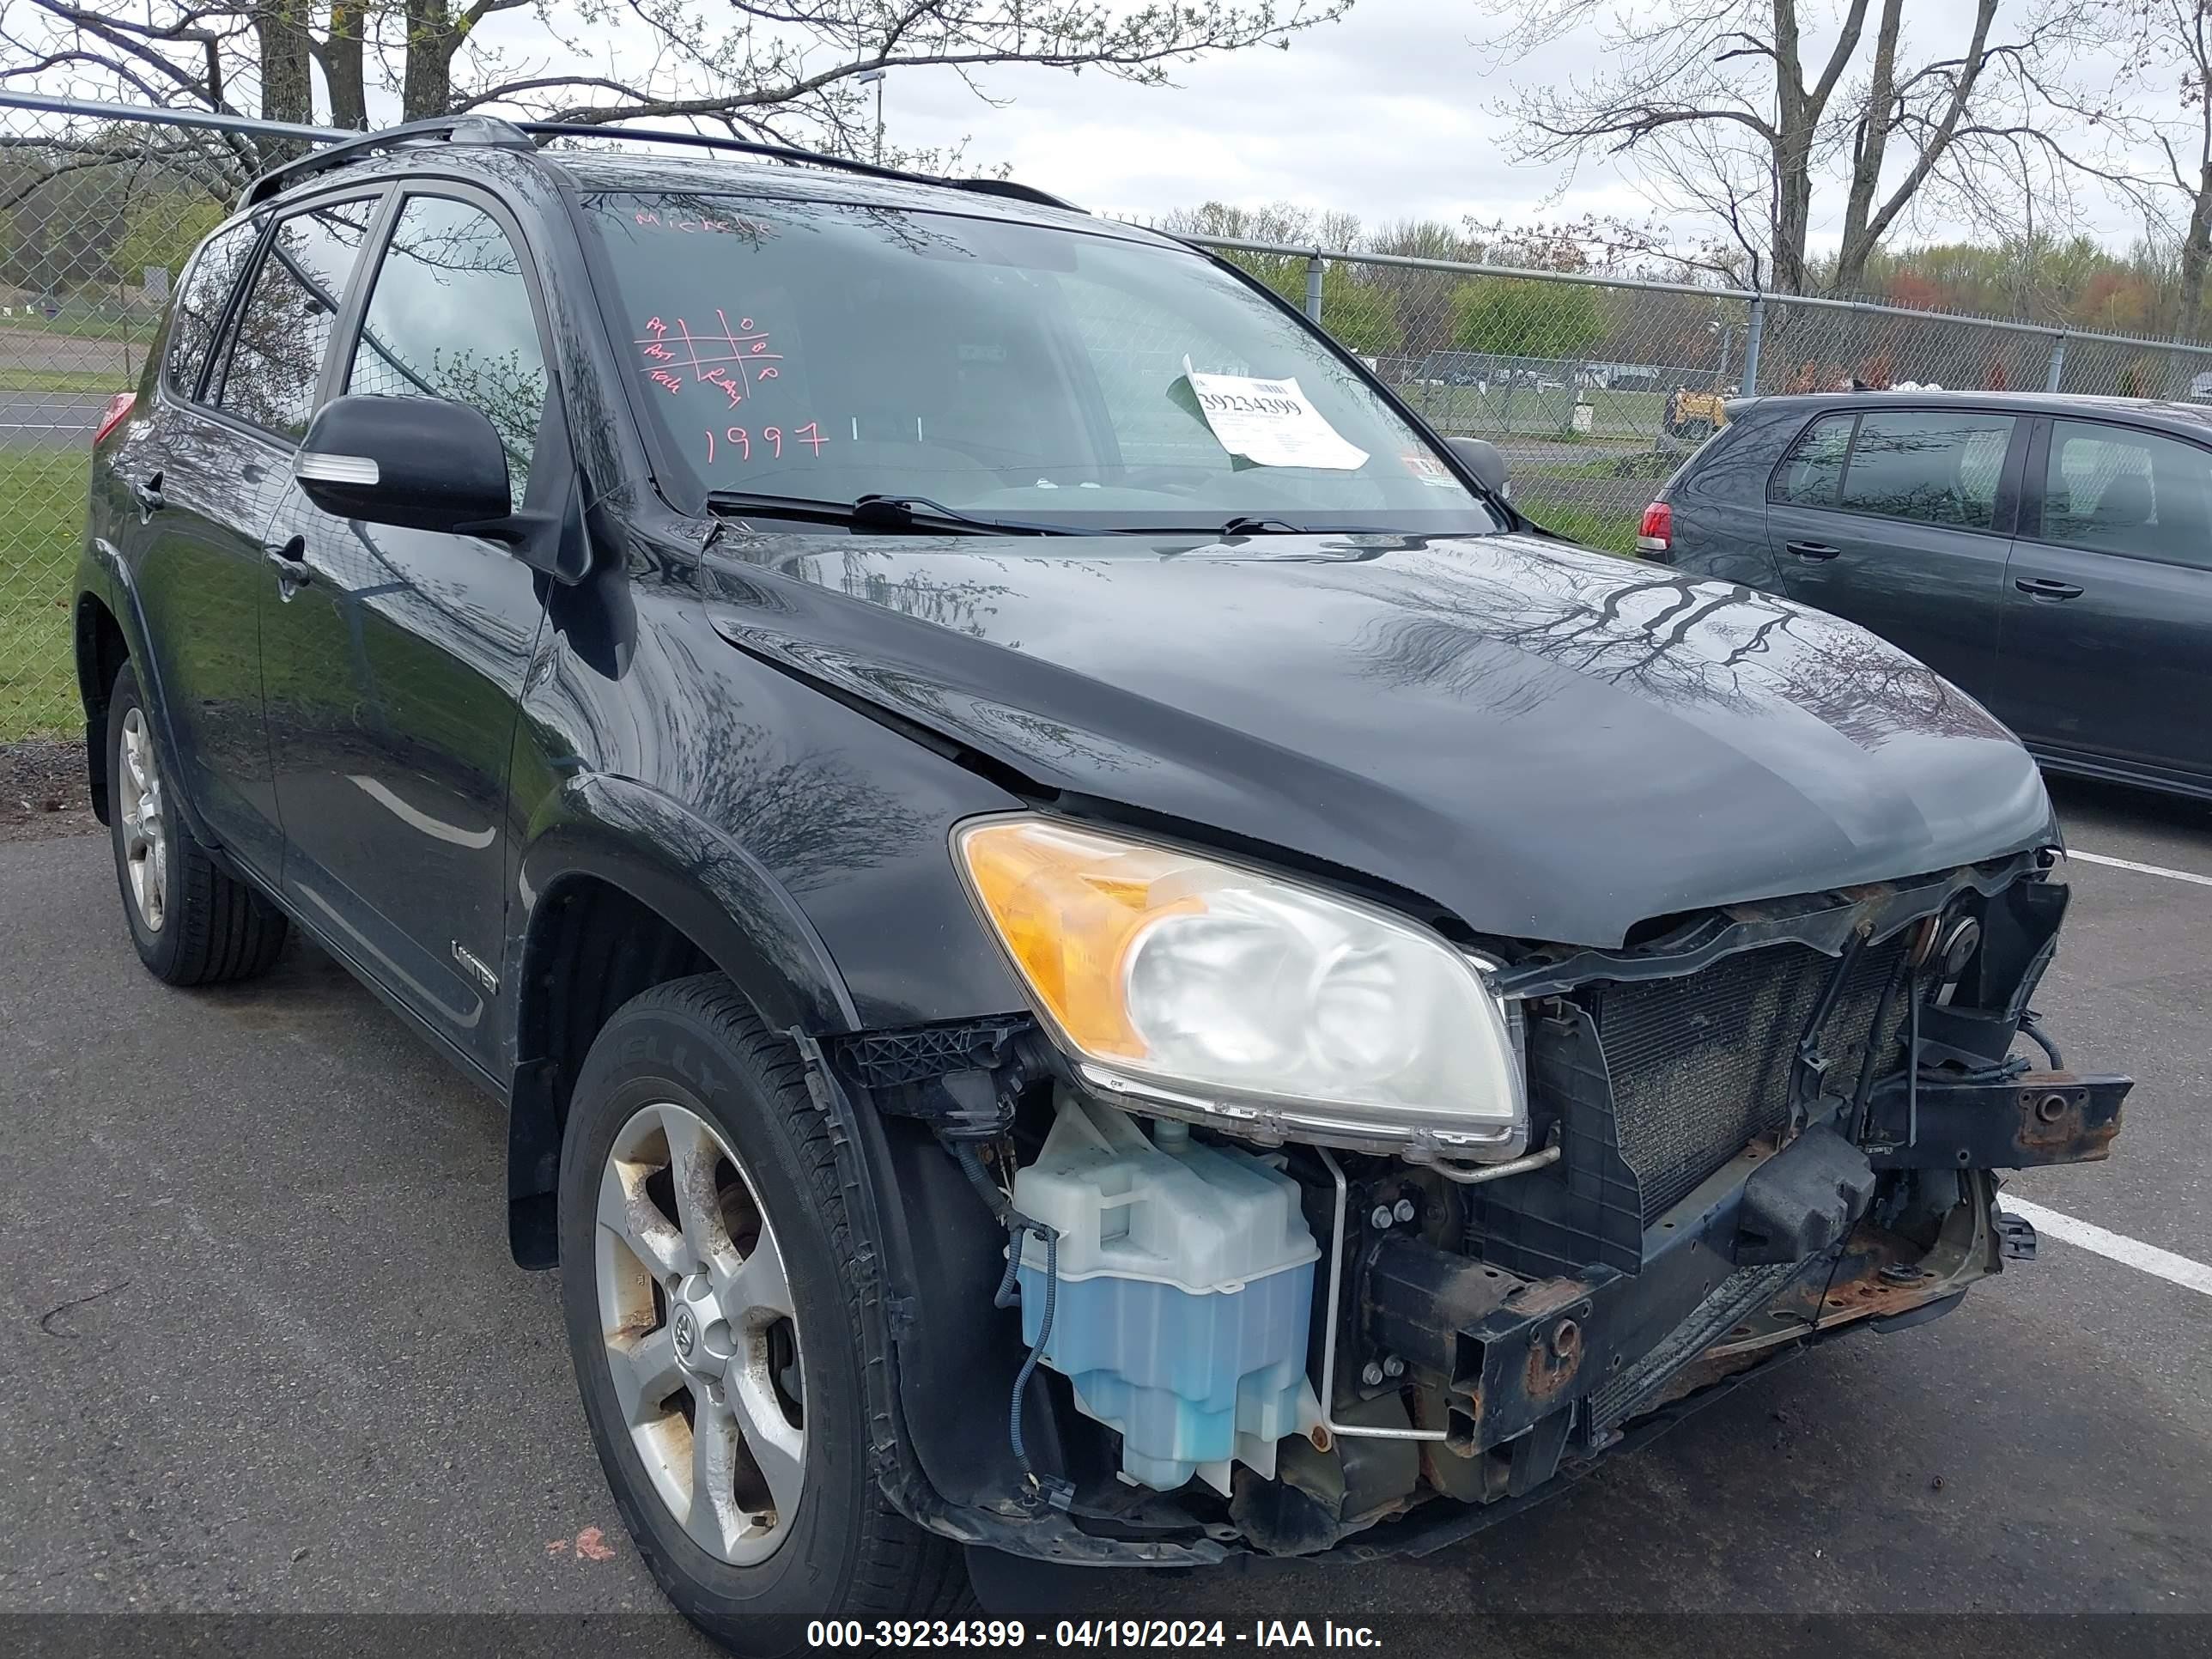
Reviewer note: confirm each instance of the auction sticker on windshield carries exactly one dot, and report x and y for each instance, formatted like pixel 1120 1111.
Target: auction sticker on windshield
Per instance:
pixel 1270 423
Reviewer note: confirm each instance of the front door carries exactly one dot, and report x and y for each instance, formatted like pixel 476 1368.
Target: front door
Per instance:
pixel 395 659
pixel 1897 519
pixel 2107 631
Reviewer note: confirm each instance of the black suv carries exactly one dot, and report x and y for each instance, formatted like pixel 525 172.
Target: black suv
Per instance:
pixel 1093 950
pixel 2051 554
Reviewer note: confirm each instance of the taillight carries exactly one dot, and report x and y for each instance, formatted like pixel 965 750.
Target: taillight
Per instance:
pixel 1655 537
pixel 118 407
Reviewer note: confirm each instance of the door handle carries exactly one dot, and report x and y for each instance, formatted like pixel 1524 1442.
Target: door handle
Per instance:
pixel 2043 588
pixel 1813 551
pixel 148 494
pixel 289 561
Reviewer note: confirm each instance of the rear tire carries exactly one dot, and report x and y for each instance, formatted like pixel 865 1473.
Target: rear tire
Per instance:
pixel 736 1307
pixel 192 924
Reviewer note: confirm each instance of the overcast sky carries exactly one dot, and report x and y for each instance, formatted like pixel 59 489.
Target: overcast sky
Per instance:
pixel 1389 114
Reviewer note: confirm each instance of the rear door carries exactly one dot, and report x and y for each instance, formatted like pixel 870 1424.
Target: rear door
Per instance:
pixel 200 481
pixel 1901 518
pixel 2107 621
pixel 396 658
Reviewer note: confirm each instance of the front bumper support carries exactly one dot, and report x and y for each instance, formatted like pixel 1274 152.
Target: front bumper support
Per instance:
pixel 2014 1122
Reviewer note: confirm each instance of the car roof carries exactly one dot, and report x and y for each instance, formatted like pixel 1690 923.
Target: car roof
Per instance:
pixel 2193 419
pixel 638 170
pixel 454 143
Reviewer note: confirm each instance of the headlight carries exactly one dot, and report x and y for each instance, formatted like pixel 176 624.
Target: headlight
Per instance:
pixel 1219 992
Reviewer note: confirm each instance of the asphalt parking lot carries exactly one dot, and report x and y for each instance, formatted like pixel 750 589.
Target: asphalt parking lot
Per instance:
pixel 264 1350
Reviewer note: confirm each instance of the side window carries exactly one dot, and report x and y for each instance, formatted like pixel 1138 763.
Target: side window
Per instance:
pixel 2122 491
pixel 1938 466
pixel 450 316
pixel 200 304
pixel 276 358
pixel 1811 471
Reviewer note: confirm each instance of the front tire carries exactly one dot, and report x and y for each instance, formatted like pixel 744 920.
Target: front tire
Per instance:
pixel 717 1333
pixel 191 923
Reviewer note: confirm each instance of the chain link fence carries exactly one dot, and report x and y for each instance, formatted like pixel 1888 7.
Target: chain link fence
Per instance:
pixel 97 217
pixel 1595 388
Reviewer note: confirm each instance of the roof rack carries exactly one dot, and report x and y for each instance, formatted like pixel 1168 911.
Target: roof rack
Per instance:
pixel 796 156
pixel 525 135
pixel 454 129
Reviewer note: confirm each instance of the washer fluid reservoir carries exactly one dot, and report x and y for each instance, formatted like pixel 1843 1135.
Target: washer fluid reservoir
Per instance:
pixel 1185 1293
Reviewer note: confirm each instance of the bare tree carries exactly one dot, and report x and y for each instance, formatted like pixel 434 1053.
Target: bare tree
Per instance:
pixel 2171 52
pixel 1728 104
pixel 779 69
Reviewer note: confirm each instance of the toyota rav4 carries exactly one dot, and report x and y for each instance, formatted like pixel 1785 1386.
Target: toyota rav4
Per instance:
pixel 1093 948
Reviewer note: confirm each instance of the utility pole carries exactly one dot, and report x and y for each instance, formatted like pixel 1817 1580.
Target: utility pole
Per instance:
pixel 876 76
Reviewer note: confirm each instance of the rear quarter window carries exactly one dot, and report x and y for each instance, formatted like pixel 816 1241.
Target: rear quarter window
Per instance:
pixel 200 301
pixel 1731 467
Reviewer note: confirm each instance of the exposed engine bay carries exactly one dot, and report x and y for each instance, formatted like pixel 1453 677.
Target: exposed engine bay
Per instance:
pixel 1180 1328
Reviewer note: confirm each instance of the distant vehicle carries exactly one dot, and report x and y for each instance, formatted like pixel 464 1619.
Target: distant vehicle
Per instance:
pixel 2052 555
pixel 1459 368
pixel 1696 413
pixel 1621 377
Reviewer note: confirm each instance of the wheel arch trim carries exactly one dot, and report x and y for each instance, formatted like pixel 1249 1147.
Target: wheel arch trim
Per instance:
pixel 104 579
pixel 694 879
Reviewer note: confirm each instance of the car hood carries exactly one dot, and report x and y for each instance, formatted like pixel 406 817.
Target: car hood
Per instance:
pixel 1544 742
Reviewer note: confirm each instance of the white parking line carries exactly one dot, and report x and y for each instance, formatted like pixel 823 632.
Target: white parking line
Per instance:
pixel 2141 869
pixel 2118 1246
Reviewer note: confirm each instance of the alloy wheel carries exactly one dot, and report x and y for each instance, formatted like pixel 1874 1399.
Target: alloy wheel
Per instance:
pixel 145 838
pixel 702 1336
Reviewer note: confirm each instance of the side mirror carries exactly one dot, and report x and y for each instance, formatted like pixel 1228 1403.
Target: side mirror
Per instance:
pixel 1482 457
pixel 419 463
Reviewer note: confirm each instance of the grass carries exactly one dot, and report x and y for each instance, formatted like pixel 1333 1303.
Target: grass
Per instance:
pixel 19 377
pixel 1609 532
pixel 1651 464
pixel 83 322
pixel 42 501
pixel 1526 412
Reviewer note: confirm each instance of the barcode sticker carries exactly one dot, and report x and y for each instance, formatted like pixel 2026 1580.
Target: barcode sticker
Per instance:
pixel 1271 422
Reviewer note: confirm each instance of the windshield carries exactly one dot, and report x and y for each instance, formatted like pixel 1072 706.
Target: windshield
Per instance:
pixel 832 351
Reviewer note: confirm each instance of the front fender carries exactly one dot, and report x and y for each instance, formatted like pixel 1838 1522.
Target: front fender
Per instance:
pixel 651 847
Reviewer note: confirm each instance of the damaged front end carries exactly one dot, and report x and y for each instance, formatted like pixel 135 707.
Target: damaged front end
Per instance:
pixel 1148 1326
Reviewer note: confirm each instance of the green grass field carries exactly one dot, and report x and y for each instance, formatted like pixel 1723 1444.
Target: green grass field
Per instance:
pixel 42 501
pixel 81 320
pixel 21 377
pixel 1609 532
pixel 1526 412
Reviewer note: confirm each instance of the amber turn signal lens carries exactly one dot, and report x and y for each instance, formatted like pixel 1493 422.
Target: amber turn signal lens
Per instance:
pixel 1069 906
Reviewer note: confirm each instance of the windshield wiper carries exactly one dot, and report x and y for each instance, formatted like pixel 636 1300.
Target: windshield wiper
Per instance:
pixel 878 513
pixel 1245 526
